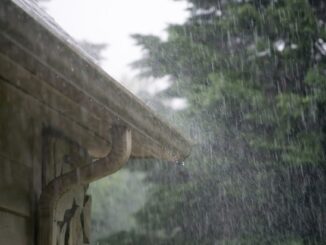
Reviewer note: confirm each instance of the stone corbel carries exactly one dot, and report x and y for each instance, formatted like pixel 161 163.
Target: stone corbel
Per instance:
pixel 118 156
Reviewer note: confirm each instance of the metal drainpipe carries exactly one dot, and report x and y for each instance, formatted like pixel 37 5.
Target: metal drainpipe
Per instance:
pixel 120 153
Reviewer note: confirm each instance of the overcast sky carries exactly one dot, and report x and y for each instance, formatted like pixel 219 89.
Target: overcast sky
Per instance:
pixel 112 22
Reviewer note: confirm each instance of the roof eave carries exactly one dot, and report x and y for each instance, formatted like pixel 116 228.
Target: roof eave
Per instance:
pixel 33 41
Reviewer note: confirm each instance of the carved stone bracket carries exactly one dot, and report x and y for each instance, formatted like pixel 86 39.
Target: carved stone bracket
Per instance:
pixel 64 206
pixel 72 218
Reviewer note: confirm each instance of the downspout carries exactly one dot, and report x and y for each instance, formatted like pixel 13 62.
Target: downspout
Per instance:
pixel 118 156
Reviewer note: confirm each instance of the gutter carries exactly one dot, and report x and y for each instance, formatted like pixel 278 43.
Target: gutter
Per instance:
pixel 119 155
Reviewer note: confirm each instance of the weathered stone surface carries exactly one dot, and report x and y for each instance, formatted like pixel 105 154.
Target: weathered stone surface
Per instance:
pixel 61 155
pixel 70 217
pixel 15 186
pixel 14 229
pixel 18 144
pixel 72 210
pixel 27 94
pixel 68 70
pixel 58 112
pixel 85 218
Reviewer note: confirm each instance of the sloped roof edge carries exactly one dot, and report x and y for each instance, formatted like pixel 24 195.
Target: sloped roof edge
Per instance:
pixel 45 44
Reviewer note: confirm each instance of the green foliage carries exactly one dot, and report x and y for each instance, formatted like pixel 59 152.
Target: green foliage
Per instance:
pixel 255 78
pixel 115 200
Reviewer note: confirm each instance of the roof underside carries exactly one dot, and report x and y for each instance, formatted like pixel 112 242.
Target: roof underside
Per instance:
pixel 31 42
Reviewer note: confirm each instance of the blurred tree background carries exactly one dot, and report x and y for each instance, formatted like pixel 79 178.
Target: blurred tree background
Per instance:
pixel 254 75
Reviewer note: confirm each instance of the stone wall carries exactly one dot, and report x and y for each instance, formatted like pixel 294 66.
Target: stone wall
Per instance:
pixel 58 112
pixel 20 167
pixel 32 153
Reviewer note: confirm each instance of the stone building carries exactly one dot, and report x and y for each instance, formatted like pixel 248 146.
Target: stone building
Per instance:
pixel 63 124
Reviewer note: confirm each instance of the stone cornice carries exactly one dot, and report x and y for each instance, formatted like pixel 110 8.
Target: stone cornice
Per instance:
pixel 77 87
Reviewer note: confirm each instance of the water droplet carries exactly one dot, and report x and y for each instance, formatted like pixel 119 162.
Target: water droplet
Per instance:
pixel 180 163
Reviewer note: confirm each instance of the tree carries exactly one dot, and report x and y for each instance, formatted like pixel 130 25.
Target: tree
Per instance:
pixel 94 50
pixel 254 74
